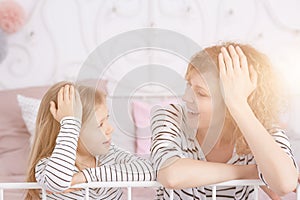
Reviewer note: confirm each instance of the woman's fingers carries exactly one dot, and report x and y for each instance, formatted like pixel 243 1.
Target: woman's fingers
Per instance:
pixel 227 60
pixel 253 76
pixel 243 59
pixel 234 57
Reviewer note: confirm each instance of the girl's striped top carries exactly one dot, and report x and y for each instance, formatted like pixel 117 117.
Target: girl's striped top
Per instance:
pixel 55 173
pixel 171 137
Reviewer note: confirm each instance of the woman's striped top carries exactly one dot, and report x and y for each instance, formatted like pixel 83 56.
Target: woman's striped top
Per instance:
pixel 172 138
pixel 55 173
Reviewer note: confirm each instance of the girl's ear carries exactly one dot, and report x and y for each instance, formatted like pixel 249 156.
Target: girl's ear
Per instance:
pixel 53 109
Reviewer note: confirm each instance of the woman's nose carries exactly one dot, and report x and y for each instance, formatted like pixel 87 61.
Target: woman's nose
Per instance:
pixel 188 95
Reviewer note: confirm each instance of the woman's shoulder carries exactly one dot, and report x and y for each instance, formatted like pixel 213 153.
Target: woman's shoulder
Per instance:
pixel 172 110
pixel 277 132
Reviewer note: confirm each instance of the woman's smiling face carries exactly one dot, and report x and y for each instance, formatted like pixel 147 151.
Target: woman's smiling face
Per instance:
pixel 198 102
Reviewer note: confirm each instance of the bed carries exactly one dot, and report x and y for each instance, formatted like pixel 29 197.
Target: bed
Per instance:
pixel 17 108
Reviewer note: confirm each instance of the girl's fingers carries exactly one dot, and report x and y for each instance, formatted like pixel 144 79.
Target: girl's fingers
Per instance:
pixel 234 57
pixel 243 59
pixel 77 96
pixel 67 93
pixel 60 97
pixel 72 95
pixel 228 61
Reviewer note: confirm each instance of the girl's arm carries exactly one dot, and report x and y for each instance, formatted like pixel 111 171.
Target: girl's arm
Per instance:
pixel 127 167
pixel 238 81
pixel 55 173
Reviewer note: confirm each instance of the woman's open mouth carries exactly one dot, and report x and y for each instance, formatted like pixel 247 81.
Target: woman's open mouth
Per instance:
pixel 192 112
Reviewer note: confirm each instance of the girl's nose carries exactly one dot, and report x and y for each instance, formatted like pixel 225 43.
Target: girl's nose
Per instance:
pixel 188 95
pixel 109 129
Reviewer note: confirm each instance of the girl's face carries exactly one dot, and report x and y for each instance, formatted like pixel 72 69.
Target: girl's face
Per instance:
pixel 96 132
pixel 198 102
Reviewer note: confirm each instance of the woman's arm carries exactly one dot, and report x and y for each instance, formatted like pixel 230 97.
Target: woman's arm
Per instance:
pixel 276 166
pixel 173 169
pixel 238 81
pixel 178 173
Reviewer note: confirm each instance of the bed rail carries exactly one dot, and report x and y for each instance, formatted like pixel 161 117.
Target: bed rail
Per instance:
pixel 130 185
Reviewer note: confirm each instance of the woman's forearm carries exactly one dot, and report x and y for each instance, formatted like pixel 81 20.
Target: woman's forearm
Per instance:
pixel 187 173
pixel 276 166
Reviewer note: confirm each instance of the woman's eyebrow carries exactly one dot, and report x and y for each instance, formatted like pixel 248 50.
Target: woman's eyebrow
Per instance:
pixel 200 88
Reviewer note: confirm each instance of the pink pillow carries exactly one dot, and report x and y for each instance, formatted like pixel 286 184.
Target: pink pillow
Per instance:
pixel 141 116
pixel 14 137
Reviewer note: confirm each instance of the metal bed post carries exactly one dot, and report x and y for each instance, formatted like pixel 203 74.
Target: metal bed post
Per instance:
pixel 256 192
pixel 171 194
pixel 87 193
pixel 1 194
pixel 298 192
pixel 129 193
pixel 44 194
pixel 214 192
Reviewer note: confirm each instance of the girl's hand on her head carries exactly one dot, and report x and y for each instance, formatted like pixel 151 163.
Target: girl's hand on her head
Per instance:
pixel 238 80
pixel 68 104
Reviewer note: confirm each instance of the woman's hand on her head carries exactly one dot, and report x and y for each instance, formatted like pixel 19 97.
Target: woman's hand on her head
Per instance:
pixel 238 79
pixel 68 104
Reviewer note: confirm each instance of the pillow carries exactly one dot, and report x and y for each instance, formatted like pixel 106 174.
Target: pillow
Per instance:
pixel 29 108
pixel 141 116
pixel 14 136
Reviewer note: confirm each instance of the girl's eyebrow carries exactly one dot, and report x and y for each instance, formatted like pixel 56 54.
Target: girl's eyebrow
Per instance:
pixel 104 118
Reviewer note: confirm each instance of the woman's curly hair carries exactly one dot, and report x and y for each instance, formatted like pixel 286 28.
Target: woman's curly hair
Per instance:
pixel 266 101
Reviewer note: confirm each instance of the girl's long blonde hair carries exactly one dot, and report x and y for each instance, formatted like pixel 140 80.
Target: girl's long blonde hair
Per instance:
pixel 267 101
pixel 47 128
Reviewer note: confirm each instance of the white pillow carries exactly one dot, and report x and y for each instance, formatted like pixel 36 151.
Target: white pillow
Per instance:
pixel 29 108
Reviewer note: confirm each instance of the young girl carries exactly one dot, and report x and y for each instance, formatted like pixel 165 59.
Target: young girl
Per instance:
pixel 73 145
pixel 232 103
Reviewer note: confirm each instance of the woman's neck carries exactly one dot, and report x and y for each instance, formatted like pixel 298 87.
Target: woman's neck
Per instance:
pixel 225 137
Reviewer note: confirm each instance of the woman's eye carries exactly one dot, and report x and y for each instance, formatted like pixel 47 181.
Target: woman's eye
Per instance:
pixel 201 94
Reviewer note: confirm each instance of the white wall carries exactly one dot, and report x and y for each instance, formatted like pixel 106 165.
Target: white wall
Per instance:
pixel 59 35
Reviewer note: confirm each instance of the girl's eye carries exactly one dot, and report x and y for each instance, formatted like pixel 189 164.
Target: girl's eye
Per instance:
pixel 100 125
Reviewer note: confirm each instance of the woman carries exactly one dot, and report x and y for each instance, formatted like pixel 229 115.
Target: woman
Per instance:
pixel 73 145
pixel 228 129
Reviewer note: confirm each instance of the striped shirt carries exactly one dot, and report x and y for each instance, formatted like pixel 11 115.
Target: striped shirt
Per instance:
pixel 55 173
pixel 172 138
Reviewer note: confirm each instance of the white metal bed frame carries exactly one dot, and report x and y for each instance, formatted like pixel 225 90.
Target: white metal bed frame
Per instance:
pixel 130 185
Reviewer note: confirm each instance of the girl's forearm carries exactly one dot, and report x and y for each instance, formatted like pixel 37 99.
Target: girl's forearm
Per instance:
pixel 187 173
pixel 276 166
